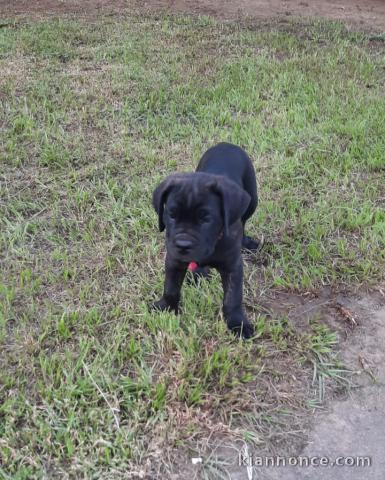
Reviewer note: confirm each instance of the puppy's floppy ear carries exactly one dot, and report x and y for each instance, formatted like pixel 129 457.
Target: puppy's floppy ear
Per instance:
pixel 235 201
pixel 159 197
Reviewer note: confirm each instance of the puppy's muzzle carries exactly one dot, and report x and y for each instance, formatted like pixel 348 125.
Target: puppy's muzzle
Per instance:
pixel 184 244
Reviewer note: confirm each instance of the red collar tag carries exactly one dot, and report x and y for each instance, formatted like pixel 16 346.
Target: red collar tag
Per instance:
pixel 192 266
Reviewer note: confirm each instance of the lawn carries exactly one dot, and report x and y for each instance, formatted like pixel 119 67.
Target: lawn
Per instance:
pixel 93 115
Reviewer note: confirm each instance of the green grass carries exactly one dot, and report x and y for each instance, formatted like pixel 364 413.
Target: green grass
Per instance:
pixel 93 116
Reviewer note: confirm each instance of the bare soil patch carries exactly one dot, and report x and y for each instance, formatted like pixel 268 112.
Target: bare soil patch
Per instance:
pixel 369 14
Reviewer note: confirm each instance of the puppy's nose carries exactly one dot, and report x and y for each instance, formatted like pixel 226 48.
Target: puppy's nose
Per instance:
pixel 183 244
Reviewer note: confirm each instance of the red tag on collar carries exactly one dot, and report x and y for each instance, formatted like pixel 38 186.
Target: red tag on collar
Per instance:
pixel 192 266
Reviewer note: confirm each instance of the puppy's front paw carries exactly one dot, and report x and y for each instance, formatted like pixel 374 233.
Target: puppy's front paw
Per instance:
pixel 246 330
pixel 239 324
pixel 163 305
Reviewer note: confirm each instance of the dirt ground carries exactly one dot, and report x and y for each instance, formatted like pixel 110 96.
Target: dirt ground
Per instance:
pixel 354 426
pixel 349 425
pixel 369 14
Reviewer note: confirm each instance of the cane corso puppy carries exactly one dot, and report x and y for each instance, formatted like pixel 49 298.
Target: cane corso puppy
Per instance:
pixel 204 214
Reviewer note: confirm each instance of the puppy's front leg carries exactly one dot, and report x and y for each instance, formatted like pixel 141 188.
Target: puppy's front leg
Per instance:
pixel 232 281
pixel 175 273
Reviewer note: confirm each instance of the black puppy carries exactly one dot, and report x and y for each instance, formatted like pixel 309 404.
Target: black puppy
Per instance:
pixel 204 214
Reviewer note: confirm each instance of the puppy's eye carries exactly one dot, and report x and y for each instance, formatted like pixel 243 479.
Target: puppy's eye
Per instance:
pixel 172 213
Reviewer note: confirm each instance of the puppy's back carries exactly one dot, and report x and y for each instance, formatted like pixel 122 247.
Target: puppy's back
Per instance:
pixel 232 162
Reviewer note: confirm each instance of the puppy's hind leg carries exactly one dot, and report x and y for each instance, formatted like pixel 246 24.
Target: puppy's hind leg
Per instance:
pixel 250 244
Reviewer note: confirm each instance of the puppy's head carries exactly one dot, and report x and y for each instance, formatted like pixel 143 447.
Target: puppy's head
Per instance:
pixel 196 208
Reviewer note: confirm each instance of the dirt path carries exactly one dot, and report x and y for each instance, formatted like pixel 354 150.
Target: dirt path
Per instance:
pixel 369 14
pixel 353 426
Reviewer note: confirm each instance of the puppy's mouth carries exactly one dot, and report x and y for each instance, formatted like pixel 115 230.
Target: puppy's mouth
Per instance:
pixel 197 257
